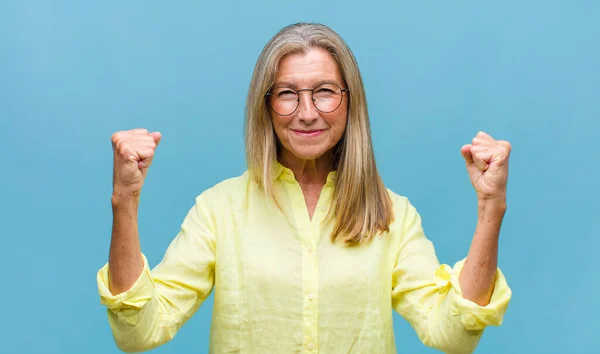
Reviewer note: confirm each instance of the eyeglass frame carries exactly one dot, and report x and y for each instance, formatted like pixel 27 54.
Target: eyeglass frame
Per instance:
pixel 311 97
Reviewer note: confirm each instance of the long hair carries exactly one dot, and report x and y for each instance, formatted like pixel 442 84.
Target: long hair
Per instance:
pixel 361 205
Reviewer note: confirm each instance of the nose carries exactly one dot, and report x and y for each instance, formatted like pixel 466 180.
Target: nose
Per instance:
pixel 307 112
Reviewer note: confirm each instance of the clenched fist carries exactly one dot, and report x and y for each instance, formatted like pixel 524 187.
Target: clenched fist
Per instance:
pixel 133 151
pixel 487 165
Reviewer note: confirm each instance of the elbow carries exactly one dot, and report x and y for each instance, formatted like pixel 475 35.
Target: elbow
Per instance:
pixel 133 347
pixel 128 347
pixel 452 347
pixel 139 335
pixel 129 344
pixel 464 342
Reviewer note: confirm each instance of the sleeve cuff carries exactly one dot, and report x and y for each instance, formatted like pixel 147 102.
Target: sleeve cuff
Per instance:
pixel 474 316
pixel 126 304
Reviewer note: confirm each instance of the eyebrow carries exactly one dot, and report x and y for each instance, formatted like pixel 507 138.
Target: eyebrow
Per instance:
pixel 291 85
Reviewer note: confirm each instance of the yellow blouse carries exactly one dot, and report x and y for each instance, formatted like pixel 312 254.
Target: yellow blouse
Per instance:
pixel 282 286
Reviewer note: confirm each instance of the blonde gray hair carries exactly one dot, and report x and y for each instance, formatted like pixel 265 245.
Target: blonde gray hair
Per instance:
pixel 361 205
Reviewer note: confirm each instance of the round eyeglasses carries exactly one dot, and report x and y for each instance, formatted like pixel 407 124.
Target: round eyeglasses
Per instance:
pixel 285 100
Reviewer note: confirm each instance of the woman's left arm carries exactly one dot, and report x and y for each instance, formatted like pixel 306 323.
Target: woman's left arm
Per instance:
pixel 449 307
pixel 487 165
pixel 479 272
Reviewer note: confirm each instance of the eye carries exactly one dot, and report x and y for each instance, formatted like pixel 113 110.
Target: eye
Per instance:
pixel 326 91
pixel 284 94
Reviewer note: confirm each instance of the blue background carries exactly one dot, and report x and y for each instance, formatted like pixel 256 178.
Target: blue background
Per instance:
pixel 72 73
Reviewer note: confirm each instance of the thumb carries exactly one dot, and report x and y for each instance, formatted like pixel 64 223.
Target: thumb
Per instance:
pixel 156 136
pixel 465 151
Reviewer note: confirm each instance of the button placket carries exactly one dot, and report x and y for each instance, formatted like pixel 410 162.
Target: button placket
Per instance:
pixel 310 276
pixel 310 287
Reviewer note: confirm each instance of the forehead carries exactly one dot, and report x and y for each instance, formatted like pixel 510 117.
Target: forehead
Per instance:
pixel 306 69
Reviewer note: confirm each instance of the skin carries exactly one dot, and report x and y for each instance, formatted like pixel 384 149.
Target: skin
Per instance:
pixel 310 157
pixel 132 156
pixel 487 165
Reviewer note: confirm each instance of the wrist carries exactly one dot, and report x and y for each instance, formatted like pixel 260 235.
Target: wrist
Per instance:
pixel 491 209
pixel 494 200
pixel 124 197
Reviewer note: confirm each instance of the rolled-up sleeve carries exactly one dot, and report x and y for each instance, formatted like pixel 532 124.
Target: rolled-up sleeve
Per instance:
pixel 162 299
pixel 428 295
pixel 475 317
pixel 126 305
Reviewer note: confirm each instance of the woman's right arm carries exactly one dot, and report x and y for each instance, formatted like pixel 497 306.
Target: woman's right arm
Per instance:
pixel 132 155
pixel 125 256
pixel 147 308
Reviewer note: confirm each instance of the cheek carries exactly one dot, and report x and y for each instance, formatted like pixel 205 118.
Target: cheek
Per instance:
pixel 337 122
pixel 279 125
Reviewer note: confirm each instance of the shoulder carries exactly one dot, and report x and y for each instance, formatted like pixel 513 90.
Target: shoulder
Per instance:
pixel 399 201
pixel 227 188
pixel 402 208
pixel 223 195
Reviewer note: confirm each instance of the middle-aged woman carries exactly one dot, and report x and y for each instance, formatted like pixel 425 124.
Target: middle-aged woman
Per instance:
pixel 307 251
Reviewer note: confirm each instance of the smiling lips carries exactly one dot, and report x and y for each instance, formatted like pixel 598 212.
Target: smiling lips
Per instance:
pixel 308 133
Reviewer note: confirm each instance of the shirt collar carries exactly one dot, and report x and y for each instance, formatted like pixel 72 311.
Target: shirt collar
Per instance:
pixel 285 174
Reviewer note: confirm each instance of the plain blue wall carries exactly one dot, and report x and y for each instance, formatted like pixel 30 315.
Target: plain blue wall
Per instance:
pixel 72 73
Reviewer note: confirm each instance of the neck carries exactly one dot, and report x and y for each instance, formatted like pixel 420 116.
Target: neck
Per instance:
pixel 308 172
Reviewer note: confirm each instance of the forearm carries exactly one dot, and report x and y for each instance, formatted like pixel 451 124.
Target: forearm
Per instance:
pixel 125 258
pixel 478 275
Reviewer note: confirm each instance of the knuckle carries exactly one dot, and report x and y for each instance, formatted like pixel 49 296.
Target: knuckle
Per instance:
pixel 125 149
pixel 149 141
pixel 114 138
pixel 504 146
pixel 124 153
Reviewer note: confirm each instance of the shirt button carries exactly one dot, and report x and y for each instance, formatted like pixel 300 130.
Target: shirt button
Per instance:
pixel 310 297
pixel 311 346
pixel 309 250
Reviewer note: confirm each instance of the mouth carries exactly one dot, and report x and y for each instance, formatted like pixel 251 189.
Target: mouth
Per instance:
pixel 308 133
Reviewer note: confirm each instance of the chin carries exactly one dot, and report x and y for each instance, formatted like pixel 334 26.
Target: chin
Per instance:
pixel 308 153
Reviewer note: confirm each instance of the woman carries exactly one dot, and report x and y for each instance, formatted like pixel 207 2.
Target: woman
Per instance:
pixel 307 251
